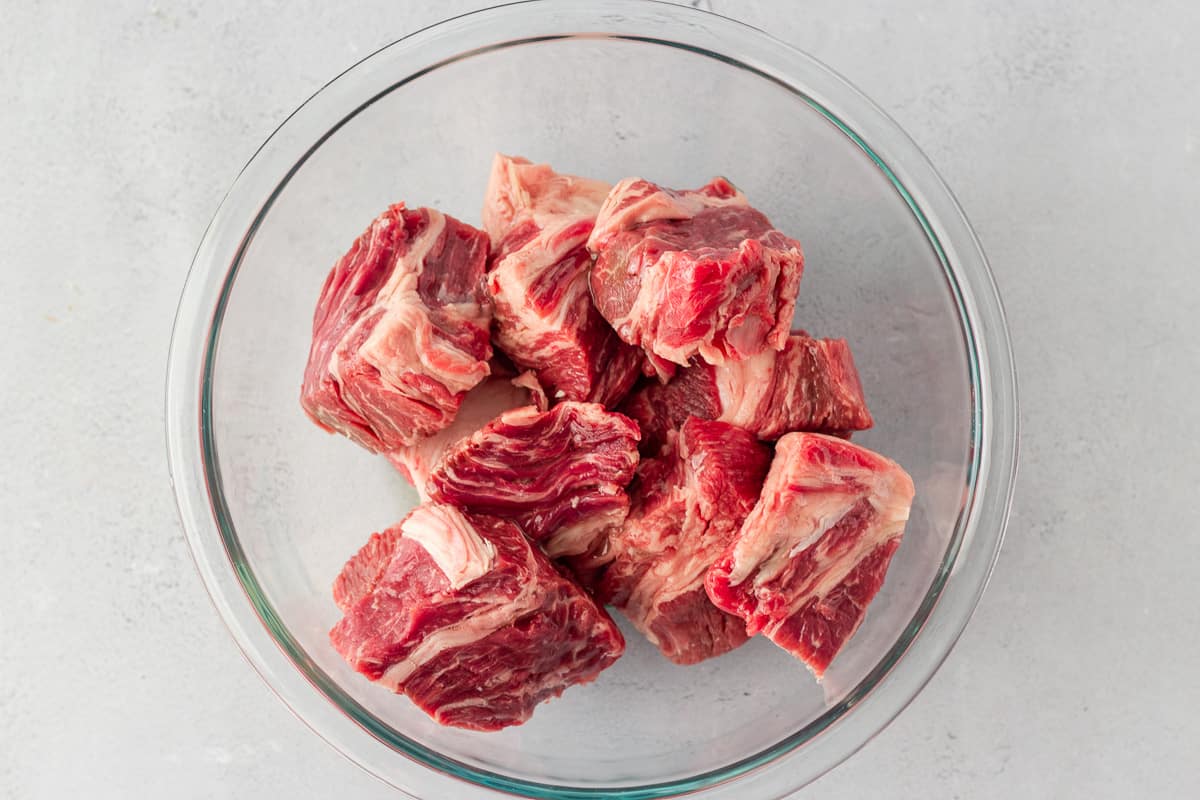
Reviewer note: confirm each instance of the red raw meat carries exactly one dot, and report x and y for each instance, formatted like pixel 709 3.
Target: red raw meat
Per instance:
pixel 482 404
pixel 687 273
pixel 539 221
pixel 560 474
pixel 814 551
pixel 460 613
pixel 811 385
pixel 400 331
pixel 688 505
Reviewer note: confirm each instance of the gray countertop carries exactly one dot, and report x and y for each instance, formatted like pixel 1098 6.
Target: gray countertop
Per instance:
pixel 1070 132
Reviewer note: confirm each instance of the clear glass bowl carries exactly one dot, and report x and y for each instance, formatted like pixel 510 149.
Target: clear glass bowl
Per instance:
pixel 272 507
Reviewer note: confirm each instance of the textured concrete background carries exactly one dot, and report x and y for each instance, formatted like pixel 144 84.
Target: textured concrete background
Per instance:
pixel 1070 132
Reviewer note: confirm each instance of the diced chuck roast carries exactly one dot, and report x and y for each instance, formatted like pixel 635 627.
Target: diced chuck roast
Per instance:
pixel 484 601
pixel 811 385
pixel 560 474
pixel 464 616
pixel 815 549
pixel 693 273
pixel 400 331
pixel 482 404
pixel 539 221
pixel 688 504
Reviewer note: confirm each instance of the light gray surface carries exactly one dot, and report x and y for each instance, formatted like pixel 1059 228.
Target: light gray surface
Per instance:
pixel 1071 134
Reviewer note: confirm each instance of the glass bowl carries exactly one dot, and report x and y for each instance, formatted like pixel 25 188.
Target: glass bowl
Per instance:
pixel 272 506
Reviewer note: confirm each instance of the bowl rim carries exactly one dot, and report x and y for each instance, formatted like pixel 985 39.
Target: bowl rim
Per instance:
pixel 259 632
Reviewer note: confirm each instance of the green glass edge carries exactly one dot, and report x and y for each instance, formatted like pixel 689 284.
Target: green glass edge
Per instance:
pixel 540 791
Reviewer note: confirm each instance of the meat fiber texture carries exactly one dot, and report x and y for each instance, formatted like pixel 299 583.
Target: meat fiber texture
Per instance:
pixel 461 614
pixel 482 404
pixel 811 385
pixel 688 505
pixel 539 221
pixel 815 549
pixel 559 474
pixel 693 273
pixel 400 331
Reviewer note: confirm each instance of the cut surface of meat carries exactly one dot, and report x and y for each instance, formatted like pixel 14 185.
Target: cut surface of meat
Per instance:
pixel 464 616
pixel 815 549
pixel 482 404
pixel 400 331
pixel 693 273
pixel 539 221
pixel 811 385
pixel 687 506
pixel 559 474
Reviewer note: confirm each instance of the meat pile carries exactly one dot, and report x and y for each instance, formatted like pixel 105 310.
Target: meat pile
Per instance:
pixel 599 400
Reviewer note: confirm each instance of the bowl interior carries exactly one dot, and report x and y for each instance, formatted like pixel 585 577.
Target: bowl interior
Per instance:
pixel 299 502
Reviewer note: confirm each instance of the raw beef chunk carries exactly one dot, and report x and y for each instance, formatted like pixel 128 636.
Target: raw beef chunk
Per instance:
pixel 463 615
pixel 559 474
pixel 811 385
pixel 482 404
pixel 815 549
pixel 687 506
pixel 686 273
pixel 401 330
pixel 539 222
